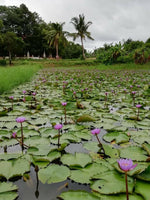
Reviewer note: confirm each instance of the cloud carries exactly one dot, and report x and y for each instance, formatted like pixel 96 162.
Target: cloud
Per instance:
pixel 113 20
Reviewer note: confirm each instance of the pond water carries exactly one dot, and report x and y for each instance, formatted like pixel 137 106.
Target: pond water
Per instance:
pixel 31 190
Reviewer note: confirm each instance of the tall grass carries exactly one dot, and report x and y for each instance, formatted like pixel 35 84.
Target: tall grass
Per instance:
pixel 11 77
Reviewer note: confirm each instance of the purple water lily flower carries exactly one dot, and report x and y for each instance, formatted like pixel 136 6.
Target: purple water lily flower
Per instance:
pixel 138 105
pixel 95 131
pixel 58 126
pixel 11 97
pixel 64 103
pixel 20 119
pixel 126 164
pixel 24 91
pixel 14 134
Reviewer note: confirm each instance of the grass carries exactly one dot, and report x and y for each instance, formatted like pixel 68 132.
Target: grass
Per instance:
pixel 23 70
pixel 92 63
pixel 13 76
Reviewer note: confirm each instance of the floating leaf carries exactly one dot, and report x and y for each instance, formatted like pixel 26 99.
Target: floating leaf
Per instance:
pixel 7 191
pixel 111 151
pixel 133 152
pixel 119 137
pixel 76 160
pixel 85 118
pixel 53 174
pixel 80 195
pixel 91 146
pixel 142 188
pixel 13 168
pixel 117 197
pixel 145 175
pixel 112 180
pixel 84 175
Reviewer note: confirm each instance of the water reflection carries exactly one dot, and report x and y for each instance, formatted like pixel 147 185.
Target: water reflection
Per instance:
pixel 33 189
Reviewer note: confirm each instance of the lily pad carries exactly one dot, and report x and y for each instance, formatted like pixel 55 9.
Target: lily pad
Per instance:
pixel 142 188
pixel 87 173
pixel 8 191
pixel 133 152
pixel 118 137
pixel 111 182
pixel 13 168
pixel 80 195
pixel 76 160
pixel 53 174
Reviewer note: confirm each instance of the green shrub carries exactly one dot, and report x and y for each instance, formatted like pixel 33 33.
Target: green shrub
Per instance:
pixel 3 62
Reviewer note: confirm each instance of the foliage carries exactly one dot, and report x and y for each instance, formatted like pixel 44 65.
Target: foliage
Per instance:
pixel 3 62
pixel 128 52
pixel 82 30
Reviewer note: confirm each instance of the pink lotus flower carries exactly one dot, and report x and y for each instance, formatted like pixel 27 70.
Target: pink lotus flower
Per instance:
pixel 24 91
pixel 64 103
pixel 58 126
pixel 95 131
pixel 126 164
pixel 20 119
pixel 33 93
pixel 11 97
pixel 14 134
pixel 138 105
pixel 133 92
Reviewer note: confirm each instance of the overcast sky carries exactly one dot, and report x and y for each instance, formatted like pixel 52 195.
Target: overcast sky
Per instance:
pixel 113 20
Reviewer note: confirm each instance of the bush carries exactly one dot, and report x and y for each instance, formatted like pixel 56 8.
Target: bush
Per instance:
pixel 3 62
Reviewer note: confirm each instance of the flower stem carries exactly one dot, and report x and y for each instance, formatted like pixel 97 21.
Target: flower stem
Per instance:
pixel 100 144
pixel 65 116
pixel 127 195
pixel 138 114
pixel 58 138
pixel 22 138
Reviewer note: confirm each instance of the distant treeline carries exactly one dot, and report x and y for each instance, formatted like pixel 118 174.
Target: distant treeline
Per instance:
pixel 23 32
pixel 128 52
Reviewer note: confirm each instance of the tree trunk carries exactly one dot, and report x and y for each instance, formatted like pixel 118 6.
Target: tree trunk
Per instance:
pixel 10 58
pixel 57 56
pixel 83 54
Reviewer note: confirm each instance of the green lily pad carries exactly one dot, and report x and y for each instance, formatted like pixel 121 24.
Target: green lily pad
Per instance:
pixel 13 168
pixel 88 172
pixel 85 118
pixel 118 197
pixel 146 147
pixel 111 151
pixel 8 191
pixel 118 137
pixel 76 160
pixel 9 156
pixel 142 188
pixel 133 152
pixel 53 174
pixel 91 146
pixel 80 195
pixel 145 175
pixel 43 161
pixel 111 182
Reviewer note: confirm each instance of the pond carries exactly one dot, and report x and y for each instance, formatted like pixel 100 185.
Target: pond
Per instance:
pixel 101 117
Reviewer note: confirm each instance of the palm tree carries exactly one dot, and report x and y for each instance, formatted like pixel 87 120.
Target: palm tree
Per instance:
pixel 55 34
pixel 81 27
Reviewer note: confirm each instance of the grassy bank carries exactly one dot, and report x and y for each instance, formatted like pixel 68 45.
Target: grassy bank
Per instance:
pixel 13 76
pixel 92 63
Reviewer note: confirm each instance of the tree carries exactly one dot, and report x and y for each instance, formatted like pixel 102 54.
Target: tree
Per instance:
pixel 25 24
pixel 55 35
pixel 81 27
pixel 12 44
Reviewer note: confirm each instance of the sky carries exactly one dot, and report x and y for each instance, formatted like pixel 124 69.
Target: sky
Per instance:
pixel 112 20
